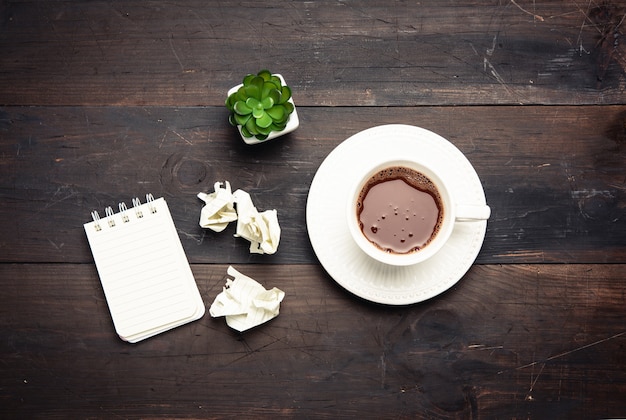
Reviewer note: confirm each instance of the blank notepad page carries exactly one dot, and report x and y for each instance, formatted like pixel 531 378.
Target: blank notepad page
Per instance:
pixel 147 281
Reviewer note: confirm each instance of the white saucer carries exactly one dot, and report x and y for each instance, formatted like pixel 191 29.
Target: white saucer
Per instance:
pixel 344 260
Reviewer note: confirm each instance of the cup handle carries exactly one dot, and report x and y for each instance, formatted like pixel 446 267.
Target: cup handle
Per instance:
pixel 468 213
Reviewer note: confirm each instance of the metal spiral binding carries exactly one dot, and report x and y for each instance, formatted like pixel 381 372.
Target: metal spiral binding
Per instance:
pixel 123 209
pixel 150 200
pixel 136 204
pixel 109 212
pixel 96 218
pixel 123 212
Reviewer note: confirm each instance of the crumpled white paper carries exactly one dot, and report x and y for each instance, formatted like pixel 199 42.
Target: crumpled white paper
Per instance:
pixel 245 303
pixel 219 209
pixel 260 228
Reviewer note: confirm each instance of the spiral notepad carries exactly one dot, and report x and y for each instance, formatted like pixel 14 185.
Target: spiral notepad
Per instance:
pixel 145 275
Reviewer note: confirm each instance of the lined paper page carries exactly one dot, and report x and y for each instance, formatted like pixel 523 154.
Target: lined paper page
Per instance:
pixel 143 269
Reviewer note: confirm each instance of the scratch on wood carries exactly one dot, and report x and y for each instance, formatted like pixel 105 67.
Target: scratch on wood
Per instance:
pixel 579 41
pixel 530 255
pixel 198 238
pixel 383 370
pixel 484 347
pixel 490 51
pixel 182 138
pixel 607 19
pixel 495 74
pixel 182 68
pixel 537 17
pixel 62 193
pixel 57 247
pixel 566 353
pixel 533 381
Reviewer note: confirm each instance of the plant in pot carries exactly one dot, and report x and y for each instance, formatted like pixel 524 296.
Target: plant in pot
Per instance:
pixel 262 107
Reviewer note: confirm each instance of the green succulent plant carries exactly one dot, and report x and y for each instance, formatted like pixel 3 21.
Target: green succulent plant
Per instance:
pixel 261 105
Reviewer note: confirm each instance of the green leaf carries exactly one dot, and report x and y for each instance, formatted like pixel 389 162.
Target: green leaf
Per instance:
pixel 288 107
pixel 240 95
pixel 276 112
pixel 264 120
pixel 261 136
pixel 285 114
pixel 267 102
pixel 279 126
pixel 277 81
pixel 245 132
pixel 265 130
pixel 230 101
pixel 275 95
pixel 253 103
pixel 285 94
pixel 265 74
pixel 251 127
pixel 268 90
pixel 242 108
pixel 253 91
pixel 258 113
pixel 248 78
pixel 241 119
pixel 258 82
pixel 254 88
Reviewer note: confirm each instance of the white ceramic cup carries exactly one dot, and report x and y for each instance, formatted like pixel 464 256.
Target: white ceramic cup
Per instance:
pixel 452 212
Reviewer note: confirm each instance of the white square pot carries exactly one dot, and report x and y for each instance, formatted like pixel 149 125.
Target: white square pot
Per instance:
pixel 292 123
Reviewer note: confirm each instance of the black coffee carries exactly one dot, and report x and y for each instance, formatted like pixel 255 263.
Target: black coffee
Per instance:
pixel 400 210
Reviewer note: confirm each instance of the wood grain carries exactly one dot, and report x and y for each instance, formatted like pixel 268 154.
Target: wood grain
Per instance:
pixel 102 101
pixel 554 178
pixel 506 340
pixel 332 53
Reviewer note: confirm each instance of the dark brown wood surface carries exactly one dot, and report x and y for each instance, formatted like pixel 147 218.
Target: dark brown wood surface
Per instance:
pixel 103 101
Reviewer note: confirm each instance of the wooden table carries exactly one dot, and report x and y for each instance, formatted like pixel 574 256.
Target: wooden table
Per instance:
pixel 104 101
